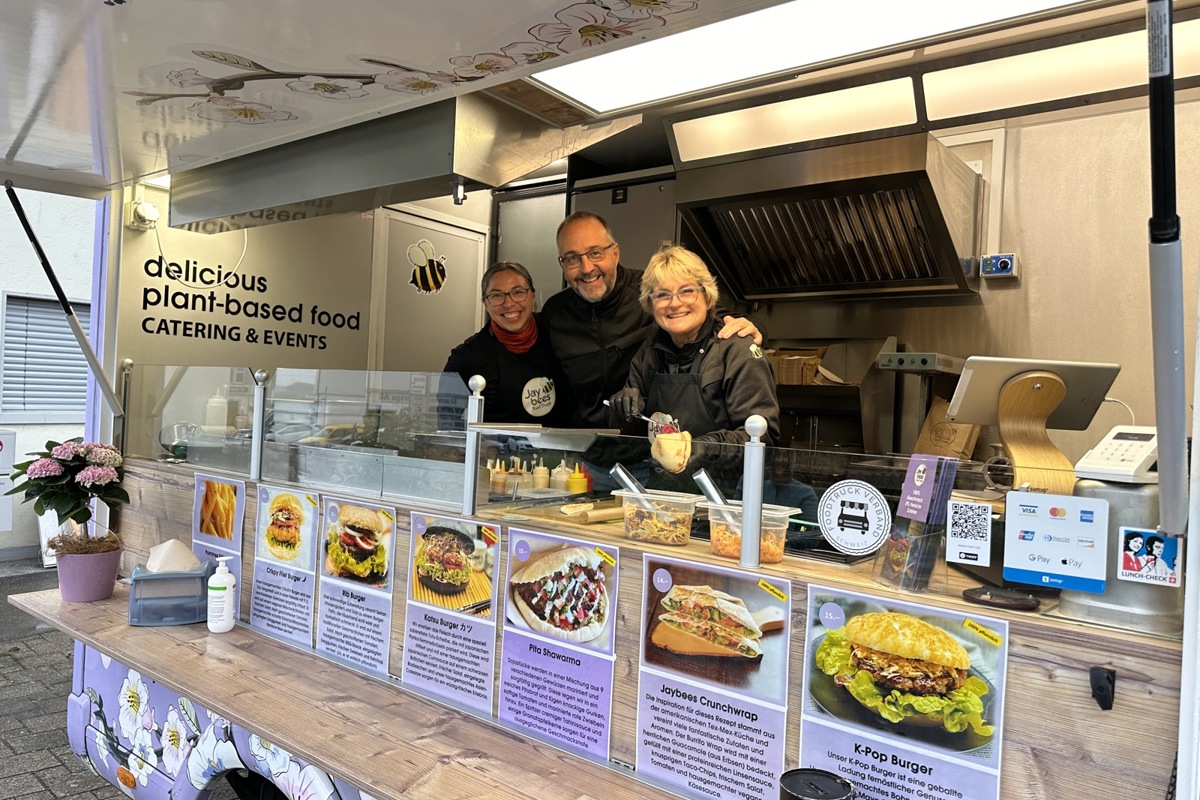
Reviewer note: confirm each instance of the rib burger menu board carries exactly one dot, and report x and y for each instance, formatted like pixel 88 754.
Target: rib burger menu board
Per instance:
pixel 903 700
pixel 450 632
pixel 712 694
pixel 354 616
pixel 560 601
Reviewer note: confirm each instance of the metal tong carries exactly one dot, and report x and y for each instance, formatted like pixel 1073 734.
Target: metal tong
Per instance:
pixel 659 423
pixel 630 483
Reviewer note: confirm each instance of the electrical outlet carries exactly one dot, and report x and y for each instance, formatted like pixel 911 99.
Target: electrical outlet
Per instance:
pixel 1002 265
pixel 140 215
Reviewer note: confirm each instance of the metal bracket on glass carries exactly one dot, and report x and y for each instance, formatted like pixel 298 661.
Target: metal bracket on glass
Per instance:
pixel 258 423
pixel 752 490
pixel 471 459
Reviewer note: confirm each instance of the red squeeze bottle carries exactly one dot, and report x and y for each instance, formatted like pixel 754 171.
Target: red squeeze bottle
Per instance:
pixel 589 476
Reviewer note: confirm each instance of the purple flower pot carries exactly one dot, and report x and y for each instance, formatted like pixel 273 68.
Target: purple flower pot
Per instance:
pixel 88 577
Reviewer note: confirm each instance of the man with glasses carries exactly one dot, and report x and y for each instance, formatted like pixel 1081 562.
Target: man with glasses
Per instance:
pixel 597 323
pixel 524 381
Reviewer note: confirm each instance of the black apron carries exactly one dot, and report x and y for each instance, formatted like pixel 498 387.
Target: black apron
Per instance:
pixel 681 395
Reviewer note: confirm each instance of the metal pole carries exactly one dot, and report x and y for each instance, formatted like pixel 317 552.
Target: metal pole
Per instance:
pixel 752 489
pixel 471 459
pixel 258 423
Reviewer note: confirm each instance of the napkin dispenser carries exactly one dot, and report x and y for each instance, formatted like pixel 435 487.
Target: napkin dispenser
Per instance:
pixel 169 598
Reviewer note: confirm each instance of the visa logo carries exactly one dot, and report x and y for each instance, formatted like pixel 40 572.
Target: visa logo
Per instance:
pixel 1025 536
pixel 1087 516
pixel 1028 510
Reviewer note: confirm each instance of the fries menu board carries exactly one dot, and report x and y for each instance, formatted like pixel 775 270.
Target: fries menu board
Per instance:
pixel 356 555
pixel 903 700
pixel 285 562
pixel 449 632
pixel 217 512
pixel 557 676
pixel 712 693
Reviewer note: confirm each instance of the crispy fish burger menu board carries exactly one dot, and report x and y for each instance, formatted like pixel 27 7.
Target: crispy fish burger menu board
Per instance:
pixel 712 692
pixel 355 554
pixel 903 700
pixel 217 512
pixel 559 602
pixel 450 628
pixel 285 563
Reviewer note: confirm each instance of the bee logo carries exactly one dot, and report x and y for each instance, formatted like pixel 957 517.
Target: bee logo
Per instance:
pixel 429 273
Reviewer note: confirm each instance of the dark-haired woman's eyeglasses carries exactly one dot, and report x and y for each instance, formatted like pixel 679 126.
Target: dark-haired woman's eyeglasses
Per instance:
pixel 518 295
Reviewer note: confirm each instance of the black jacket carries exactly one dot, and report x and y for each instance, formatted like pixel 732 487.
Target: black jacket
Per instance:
pixel 516 382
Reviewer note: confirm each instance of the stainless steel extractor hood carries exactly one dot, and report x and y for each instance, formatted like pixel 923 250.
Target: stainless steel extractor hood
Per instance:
pixel 470 141
pixel 891 217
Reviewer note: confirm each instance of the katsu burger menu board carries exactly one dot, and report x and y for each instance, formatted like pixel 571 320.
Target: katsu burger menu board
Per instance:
pixel 285 563
pixel 557 675
pixel 712 692
pixel 217 511
pixel 354 614
pixel 903 700
pixel 450 631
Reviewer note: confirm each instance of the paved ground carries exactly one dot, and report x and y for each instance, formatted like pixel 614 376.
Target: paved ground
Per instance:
pixel 35 678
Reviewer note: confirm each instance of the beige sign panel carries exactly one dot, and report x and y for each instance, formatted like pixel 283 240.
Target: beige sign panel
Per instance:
pixel 298 296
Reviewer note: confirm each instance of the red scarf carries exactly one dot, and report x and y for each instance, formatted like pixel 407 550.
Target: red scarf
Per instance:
pixel 520 342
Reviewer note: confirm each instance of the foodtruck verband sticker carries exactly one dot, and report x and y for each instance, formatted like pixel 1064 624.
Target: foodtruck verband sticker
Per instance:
pixel 854 517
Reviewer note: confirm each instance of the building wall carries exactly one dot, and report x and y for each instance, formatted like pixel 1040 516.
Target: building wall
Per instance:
pixel 65 226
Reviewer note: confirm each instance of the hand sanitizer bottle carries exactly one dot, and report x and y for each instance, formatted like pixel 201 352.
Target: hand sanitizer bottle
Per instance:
pixel 222 598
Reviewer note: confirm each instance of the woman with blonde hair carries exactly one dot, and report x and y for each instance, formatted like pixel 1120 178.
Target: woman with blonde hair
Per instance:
pixel 710 385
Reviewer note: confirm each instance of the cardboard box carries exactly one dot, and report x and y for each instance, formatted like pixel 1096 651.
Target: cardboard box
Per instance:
pixel 795 366
pixel 940 437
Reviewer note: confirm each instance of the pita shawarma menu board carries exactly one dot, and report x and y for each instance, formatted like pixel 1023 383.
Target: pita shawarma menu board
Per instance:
pixel 903 700
pixel 713 676
pixel 560 600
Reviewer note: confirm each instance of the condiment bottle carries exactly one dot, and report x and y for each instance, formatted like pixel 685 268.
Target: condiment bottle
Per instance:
pixel 541 476
pixel 577 482
pixel 222 598
pixel 496 484
pixel 588 475
pixel 558 477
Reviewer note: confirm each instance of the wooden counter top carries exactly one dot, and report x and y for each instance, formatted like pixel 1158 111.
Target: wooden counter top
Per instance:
pixel 394 743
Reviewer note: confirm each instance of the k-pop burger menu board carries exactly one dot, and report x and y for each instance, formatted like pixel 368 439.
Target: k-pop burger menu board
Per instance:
pixel 354 614
pixel 712 694
pixel 285 563
pixel 557 675
pixel 450 632
pixel 903 700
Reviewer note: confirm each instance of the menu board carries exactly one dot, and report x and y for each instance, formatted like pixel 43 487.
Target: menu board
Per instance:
pixel 285 563
pixel 354 615
pixel 449 632
pixel 712 691
pixel 560 602
pixel 903 700
pixel 217 511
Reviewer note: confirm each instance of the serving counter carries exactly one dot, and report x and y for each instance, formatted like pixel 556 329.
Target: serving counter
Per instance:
pixel 1058 743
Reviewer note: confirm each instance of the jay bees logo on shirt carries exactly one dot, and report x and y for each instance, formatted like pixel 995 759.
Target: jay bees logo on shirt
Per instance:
pixel 538 397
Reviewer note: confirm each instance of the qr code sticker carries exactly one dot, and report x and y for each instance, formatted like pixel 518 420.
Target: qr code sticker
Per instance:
pixel 970 521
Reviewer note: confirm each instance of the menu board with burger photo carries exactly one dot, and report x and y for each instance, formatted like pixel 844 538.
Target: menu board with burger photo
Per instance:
pixel 217 511
pixel 285 562
pixel 903 700
pixel 712 696
pixel 556 678
pixel 449 631
pixel 356 554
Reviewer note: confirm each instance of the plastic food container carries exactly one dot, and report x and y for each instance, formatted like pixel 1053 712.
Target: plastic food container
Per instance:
pixel 659 517
pixel 725 530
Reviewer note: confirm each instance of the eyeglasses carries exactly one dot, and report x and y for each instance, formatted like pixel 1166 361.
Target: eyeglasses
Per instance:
pixel 593 255
pixel 687 295
pixel 518 295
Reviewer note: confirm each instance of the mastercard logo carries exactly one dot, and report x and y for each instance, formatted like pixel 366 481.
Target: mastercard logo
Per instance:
pixel 1058 513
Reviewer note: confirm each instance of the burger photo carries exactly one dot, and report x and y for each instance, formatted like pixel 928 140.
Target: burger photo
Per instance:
pixel 443 562
pixel 283 532
pixel 906 671
pixel 354 546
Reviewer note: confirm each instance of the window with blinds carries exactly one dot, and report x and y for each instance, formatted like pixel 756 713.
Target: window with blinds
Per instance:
pixel 45 374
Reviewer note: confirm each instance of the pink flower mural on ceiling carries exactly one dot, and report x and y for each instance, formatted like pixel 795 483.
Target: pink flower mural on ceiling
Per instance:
pixel 575 28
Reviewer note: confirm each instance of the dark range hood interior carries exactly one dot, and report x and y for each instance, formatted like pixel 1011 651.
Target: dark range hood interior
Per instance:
pixel 885 218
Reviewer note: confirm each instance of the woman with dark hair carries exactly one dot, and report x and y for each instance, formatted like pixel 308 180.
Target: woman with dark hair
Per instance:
pixel 1131 561
pixel 524 381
